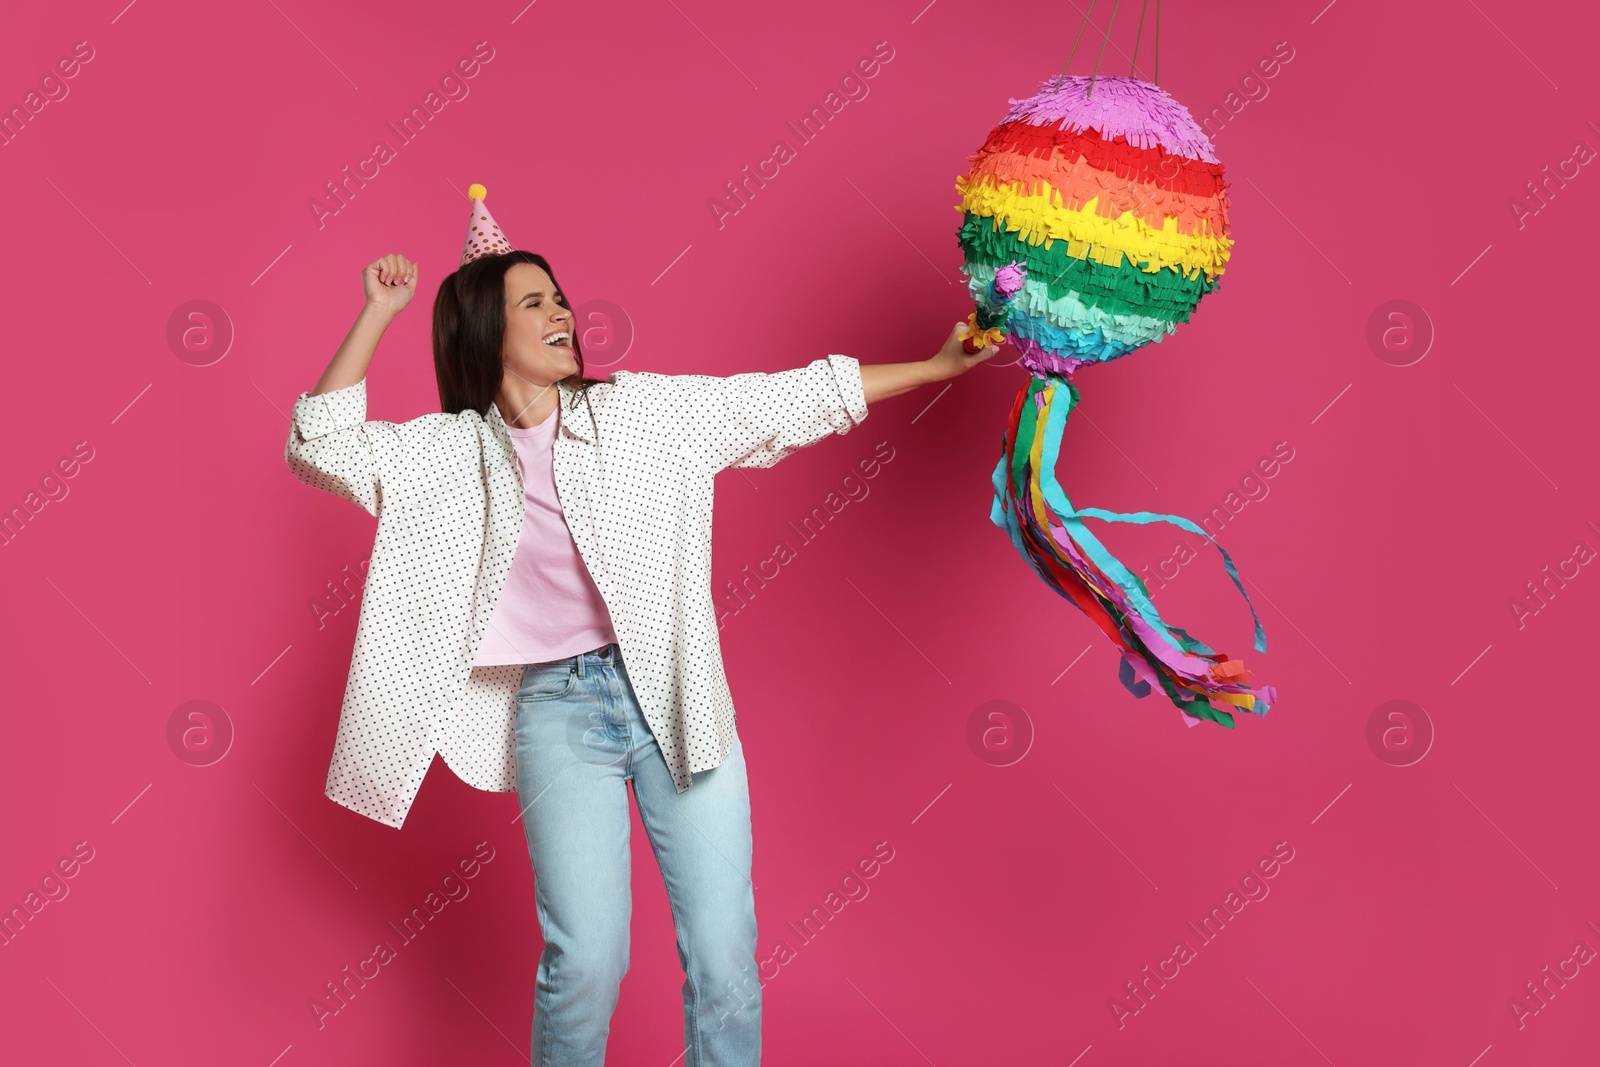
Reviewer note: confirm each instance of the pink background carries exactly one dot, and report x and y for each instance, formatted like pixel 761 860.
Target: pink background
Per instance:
pixel 183 562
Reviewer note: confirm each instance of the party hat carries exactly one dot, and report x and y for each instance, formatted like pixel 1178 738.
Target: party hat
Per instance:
pixel 483 233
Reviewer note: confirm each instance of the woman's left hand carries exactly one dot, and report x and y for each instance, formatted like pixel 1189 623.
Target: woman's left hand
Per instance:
pixel 953 359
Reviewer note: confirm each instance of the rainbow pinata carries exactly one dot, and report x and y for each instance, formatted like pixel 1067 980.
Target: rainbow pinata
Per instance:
pixel 1111 199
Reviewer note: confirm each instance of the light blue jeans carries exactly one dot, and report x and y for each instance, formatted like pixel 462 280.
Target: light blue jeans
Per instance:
pixel 580 738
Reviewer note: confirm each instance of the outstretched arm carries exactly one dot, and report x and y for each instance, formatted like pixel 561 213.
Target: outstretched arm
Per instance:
pixel 882 380
pixel 755 419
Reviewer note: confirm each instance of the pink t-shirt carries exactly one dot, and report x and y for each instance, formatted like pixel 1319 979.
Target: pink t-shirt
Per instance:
pixel 550 608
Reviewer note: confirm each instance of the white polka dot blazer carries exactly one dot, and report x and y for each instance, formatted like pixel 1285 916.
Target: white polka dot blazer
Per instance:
pixel 635 485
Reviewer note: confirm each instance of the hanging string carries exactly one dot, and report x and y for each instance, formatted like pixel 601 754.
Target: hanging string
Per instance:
pixel 1138 36
pixel 1081 28
pixel 1103 42
pixel 1133 64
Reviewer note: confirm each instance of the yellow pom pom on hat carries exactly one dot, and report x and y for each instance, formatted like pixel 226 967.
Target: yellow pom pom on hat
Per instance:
pixel 483 233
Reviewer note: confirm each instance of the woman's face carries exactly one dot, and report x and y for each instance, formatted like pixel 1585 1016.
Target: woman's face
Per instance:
pixel 538 342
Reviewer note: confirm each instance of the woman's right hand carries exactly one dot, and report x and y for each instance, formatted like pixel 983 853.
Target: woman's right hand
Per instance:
pixel 390 283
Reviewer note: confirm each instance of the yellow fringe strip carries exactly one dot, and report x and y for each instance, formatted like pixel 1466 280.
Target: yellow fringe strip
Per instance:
pixel 1042 218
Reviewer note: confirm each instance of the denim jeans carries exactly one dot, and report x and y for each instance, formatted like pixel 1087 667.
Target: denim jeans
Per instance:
pixel 580 738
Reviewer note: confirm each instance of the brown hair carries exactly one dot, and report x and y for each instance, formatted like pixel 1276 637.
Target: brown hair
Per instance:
pixel 469 329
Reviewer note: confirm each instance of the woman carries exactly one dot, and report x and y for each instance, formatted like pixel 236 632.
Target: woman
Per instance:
pixel 538 611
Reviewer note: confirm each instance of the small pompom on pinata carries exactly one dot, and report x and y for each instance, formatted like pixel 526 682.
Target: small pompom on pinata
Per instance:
pixel 1110 199
pixel 986 326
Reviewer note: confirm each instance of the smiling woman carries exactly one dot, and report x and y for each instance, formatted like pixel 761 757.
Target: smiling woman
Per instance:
pixel 503 334
pixel 538 611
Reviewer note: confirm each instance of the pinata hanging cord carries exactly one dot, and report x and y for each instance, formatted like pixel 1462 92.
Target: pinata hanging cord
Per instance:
pixel 1046 448
pixel 1133 63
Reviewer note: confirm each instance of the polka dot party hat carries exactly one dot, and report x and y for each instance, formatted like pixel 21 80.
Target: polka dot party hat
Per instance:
pixel 483 233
